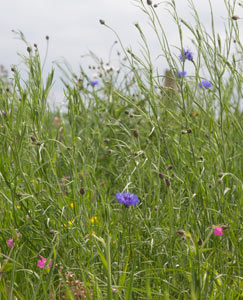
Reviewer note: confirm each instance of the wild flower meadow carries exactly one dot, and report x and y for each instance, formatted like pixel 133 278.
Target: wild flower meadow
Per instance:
pixel 135 191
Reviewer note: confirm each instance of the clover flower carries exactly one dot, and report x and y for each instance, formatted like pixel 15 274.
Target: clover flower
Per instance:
pixel 186 55
pixel 205 84
pixel 42 262
pixel 10 242
pixel 127 199
pixel 182 73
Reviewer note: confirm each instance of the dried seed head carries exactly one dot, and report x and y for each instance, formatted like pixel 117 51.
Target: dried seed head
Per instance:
pixel 161 175
pixel 183 132
pixel 102 22
pixel 82 191
pixel 221 175
pixel 210 186
pixel 220 181
pixel 170 167
pixel 180 232
pixel 29 49
pixel 33 138
pixel 149 2
pixel 156 207
pixel 235 18
pixel 201 158
pixel 127 112
pixel 12 69
pixel 224 227
pixel 155 5
pixel 47 37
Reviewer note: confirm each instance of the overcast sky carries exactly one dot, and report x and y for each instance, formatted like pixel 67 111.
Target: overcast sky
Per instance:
pixel 73 26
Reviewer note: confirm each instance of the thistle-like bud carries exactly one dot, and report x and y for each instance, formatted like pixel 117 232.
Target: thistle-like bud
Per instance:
pixel 189 130
pixel 135 133
pixel 167 182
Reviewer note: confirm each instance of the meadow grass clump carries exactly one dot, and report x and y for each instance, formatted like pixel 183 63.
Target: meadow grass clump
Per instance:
pixel 135 191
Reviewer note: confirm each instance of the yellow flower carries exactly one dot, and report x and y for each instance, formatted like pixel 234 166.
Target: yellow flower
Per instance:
pixel 71 204
pixel 65 225
pixel 93 219
pixel 18 206
pixel 70 223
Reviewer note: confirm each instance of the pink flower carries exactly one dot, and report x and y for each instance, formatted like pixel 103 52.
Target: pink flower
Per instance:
pixel 42 262
pixel 10 242
pixel 218 230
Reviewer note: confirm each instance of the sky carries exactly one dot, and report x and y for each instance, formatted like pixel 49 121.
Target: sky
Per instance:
pixel 74 29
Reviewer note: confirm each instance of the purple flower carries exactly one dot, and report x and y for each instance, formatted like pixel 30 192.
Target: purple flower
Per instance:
pixel 127 199
pixel 186 55
pixel 10 242
pixel 205 84
pixel 182 73
pixel 94 82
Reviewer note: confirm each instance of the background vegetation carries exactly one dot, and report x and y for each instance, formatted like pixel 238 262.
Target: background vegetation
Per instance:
pixel 162 137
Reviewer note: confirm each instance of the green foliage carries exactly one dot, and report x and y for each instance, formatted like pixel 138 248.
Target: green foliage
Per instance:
pixel 176 146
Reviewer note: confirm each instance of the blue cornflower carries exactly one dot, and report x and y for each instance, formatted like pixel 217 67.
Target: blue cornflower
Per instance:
pixel 94 82
pixel 127 199
pixel 205 84
pixel 186 55
pixel 182 73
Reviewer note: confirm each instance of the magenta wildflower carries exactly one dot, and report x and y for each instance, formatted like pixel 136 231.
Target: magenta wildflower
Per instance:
pixel 218 230
pixel 205 84
pixel 42 262
pixel 10 242
pixel 127 199
pixel 186 55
